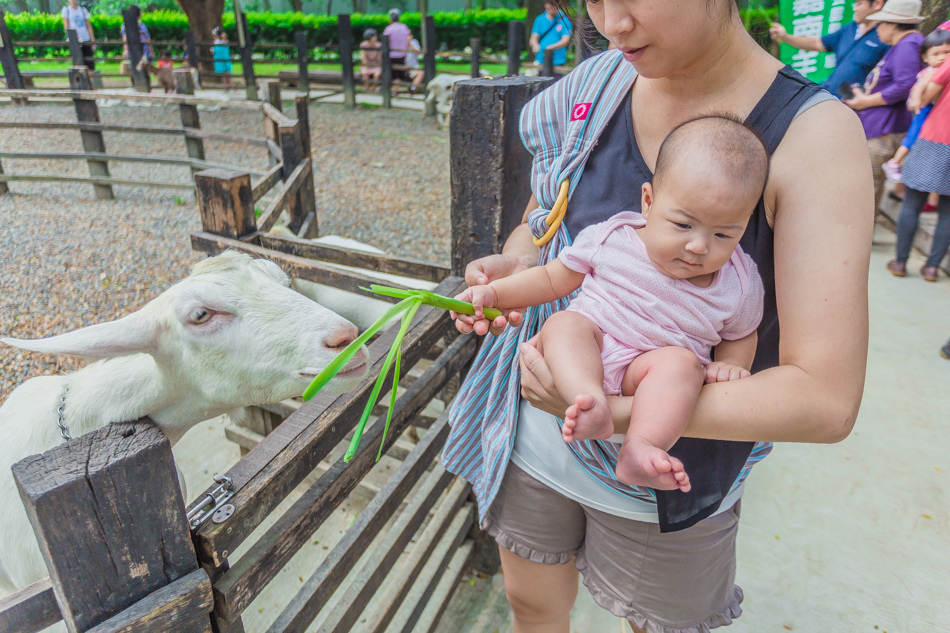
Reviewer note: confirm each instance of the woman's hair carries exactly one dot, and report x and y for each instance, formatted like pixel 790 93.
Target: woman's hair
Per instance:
pixel 368 33
pixel 136 11
pixel 394 14
pixel 936 38
pixel 903 27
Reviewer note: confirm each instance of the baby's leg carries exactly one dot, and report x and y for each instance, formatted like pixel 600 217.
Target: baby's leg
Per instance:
pixel 667 383
pixel 571 344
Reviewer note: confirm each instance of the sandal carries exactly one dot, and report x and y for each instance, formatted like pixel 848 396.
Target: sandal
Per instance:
pixel 929 273
pixel 897 268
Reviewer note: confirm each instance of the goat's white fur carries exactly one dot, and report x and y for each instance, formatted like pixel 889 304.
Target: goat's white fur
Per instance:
pixel 262 343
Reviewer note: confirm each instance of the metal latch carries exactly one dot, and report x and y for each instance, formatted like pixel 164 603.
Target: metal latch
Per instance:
pixel 212 502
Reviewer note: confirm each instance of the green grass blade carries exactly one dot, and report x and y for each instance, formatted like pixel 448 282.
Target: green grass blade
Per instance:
pixel 393 352
pixel 432 299
pixel 332 369
pixel 406 320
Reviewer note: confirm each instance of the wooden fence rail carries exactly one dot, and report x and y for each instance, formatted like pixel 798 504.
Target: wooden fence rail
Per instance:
pixel 107 578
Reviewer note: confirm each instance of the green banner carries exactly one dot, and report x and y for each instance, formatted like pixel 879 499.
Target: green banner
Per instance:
pixel 812 18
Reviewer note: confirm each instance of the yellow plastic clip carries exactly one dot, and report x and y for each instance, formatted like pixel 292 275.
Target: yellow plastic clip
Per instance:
pixel 556 216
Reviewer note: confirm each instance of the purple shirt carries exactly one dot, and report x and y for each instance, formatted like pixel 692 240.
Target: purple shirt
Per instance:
pixel 399 35
pixel 893 77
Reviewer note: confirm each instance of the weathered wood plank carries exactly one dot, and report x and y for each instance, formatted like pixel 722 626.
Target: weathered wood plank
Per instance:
pixel 286 197
pixel 29 610
pixel 89 95
pixel 386 76
pixel 439 600
pixel 190 119
pixel 298 267
pixel 275 114
pixel 371 579
pixel 8 60
pixel 117 548
pixel 490 168
pixel 248 577
pixel 306 437
pixel 140 77
pixel 180 606
pixel 268 181
pixel 345 33
pixel 93 180
pixel 406 267
pixel 309 227
pixel 476 46
pixel 423 589
pixel 225 202
pixel 303 55
pixel 170 130
pixel 515 46
pixel 292 148
pixel 88 112
pixel 125 158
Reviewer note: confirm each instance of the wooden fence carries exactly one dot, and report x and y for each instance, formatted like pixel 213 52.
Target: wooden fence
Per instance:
pixel 133 558
pixel 307 74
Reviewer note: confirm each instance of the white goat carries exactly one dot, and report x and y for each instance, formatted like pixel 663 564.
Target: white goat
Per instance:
pixel 360 309
pixel 439 92
pixel 232 334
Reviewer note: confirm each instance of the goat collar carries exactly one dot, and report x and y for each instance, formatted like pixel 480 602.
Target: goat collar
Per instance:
pixel 63 429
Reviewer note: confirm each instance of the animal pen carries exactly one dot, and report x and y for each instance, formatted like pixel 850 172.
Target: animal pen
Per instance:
pixel 132 557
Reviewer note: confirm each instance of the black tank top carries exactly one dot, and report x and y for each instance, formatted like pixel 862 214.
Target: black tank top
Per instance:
pixel 611 182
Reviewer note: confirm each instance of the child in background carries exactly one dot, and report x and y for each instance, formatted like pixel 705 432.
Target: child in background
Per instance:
pixel 222 56
pixel 371 59
pixel 164 72
pixel 658 292
pixel 934 50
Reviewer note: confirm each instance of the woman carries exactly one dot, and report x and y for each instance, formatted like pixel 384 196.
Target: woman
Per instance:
pixel 675 60
pixel 926 169
pixel 399 36
pixel 882 105
pixel 76 18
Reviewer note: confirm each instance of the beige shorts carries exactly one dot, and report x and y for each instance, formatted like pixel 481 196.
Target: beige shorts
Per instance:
pixel 679 582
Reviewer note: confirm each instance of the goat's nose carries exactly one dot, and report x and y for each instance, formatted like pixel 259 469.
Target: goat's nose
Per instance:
pixel 341 337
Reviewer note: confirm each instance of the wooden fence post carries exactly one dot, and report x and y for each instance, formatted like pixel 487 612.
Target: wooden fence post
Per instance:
pixel 11 71
pixel 75 48
pixel 386 76
pixel 547 68
pixel 346 59
pixel 191 47
pixel 271 94
pixel 4 188
pixel 490 168
pixel 88 112
pixel 429 60
pixel 310 228
pixel 185 85
pixel 292 147
pixel 247 62
pixel 140 78
pixel 226 202
pixel 515 45
pixel 476 45
pixel 109 516
pixel 303 57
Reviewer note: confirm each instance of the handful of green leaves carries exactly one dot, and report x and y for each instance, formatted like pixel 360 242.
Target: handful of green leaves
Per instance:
pixel 411 301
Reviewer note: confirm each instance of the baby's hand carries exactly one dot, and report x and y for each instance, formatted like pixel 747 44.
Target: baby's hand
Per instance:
pixel 480 297
pixel 724 372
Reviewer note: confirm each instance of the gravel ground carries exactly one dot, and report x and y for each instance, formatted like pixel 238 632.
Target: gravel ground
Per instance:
pixel 382 177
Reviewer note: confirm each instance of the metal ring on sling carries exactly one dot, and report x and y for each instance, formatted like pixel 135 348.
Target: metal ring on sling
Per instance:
pixel 556 216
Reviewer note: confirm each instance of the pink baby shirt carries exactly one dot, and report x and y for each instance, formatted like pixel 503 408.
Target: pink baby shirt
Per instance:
pixel 631 301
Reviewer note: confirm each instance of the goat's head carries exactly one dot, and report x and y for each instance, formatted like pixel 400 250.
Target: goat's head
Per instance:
pixel 233 332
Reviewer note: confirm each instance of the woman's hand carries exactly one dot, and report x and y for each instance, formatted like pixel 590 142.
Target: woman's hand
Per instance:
pixel 860 101
pixel 537 383
pixel 777 32
pixel 483 271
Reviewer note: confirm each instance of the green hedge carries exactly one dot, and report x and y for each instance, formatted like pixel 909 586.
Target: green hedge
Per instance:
pixel 453 30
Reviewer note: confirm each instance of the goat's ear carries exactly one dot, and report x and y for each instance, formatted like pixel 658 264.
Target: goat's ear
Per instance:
pixel 133 334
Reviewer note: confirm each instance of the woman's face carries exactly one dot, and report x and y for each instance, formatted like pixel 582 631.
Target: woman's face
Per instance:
pixel 888 33
pixel 660 37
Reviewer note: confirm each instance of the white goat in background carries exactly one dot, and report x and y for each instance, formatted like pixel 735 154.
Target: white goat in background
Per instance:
pixel 232 334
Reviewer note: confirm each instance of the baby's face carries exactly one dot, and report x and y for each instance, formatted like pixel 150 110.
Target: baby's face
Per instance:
pixel 936 55
pixel 694 224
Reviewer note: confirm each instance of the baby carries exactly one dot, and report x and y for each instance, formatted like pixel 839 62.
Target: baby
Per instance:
pixel 659 291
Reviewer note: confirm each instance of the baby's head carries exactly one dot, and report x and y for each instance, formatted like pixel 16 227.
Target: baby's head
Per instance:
pixel 709 176
pixel 935 48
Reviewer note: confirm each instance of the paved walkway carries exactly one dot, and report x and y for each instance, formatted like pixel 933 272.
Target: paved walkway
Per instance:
pixel 845 538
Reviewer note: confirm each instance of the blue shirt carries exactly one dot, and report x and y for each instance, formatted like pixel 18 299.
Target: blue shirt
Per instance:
pixel 551 32
pixel 854 57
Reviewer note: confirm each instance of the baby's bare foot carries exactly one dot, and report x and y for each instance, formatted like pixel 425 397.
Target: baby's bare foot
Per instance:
pixel 587 419
pixel 643 464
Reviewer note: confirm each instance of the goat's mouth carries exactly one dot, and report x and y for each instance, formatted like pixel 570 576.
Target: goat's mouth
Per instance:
pixel 356 368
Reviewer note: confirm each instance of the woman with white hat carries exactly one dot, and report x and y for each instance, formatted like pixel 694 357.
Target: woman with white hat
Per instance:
pixel 882 103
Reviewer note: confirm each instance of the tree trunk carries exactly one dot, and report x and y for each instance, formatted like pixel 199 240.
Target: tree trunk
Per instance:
pixel 43 6
pixel 535 8
pixel 297 5
pixel 936 12
pixel 22 6
pixel 203 15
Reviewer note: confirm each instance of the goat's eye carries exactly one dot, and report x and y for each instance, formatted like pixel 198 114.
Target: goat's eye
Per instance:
pixel 200 316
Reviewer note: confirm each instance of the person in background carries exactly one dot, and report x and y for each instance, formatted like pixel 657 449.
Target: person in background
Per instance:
pixel 144 36
pixel 882 104
pixel 371 60
pixel 416 74
pixel 934 52
pixel 551 31
pixel 856 46
pixel 222 56
pixel 76 18
pixel 399 36
pixel 927 169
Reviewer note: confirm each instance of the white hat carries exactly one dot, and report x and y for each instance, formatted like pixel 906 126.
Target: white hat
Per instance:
pixel 898 12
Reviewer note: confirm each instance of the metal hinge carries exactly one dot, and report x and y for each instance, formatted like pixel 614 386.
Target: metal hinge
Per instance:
pixel 213 501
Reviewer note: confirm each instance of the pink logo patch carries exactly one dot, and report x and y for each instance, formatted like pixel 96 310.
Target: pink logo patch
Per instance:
pixel 579 112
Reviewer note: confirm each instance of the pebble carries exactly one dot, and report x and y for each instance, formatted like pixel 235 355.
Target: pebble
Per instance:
pixel 71 260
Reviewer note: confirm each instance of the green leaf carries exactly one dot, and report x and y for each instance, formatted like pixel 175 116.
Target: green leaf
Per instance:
pixel 432 299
